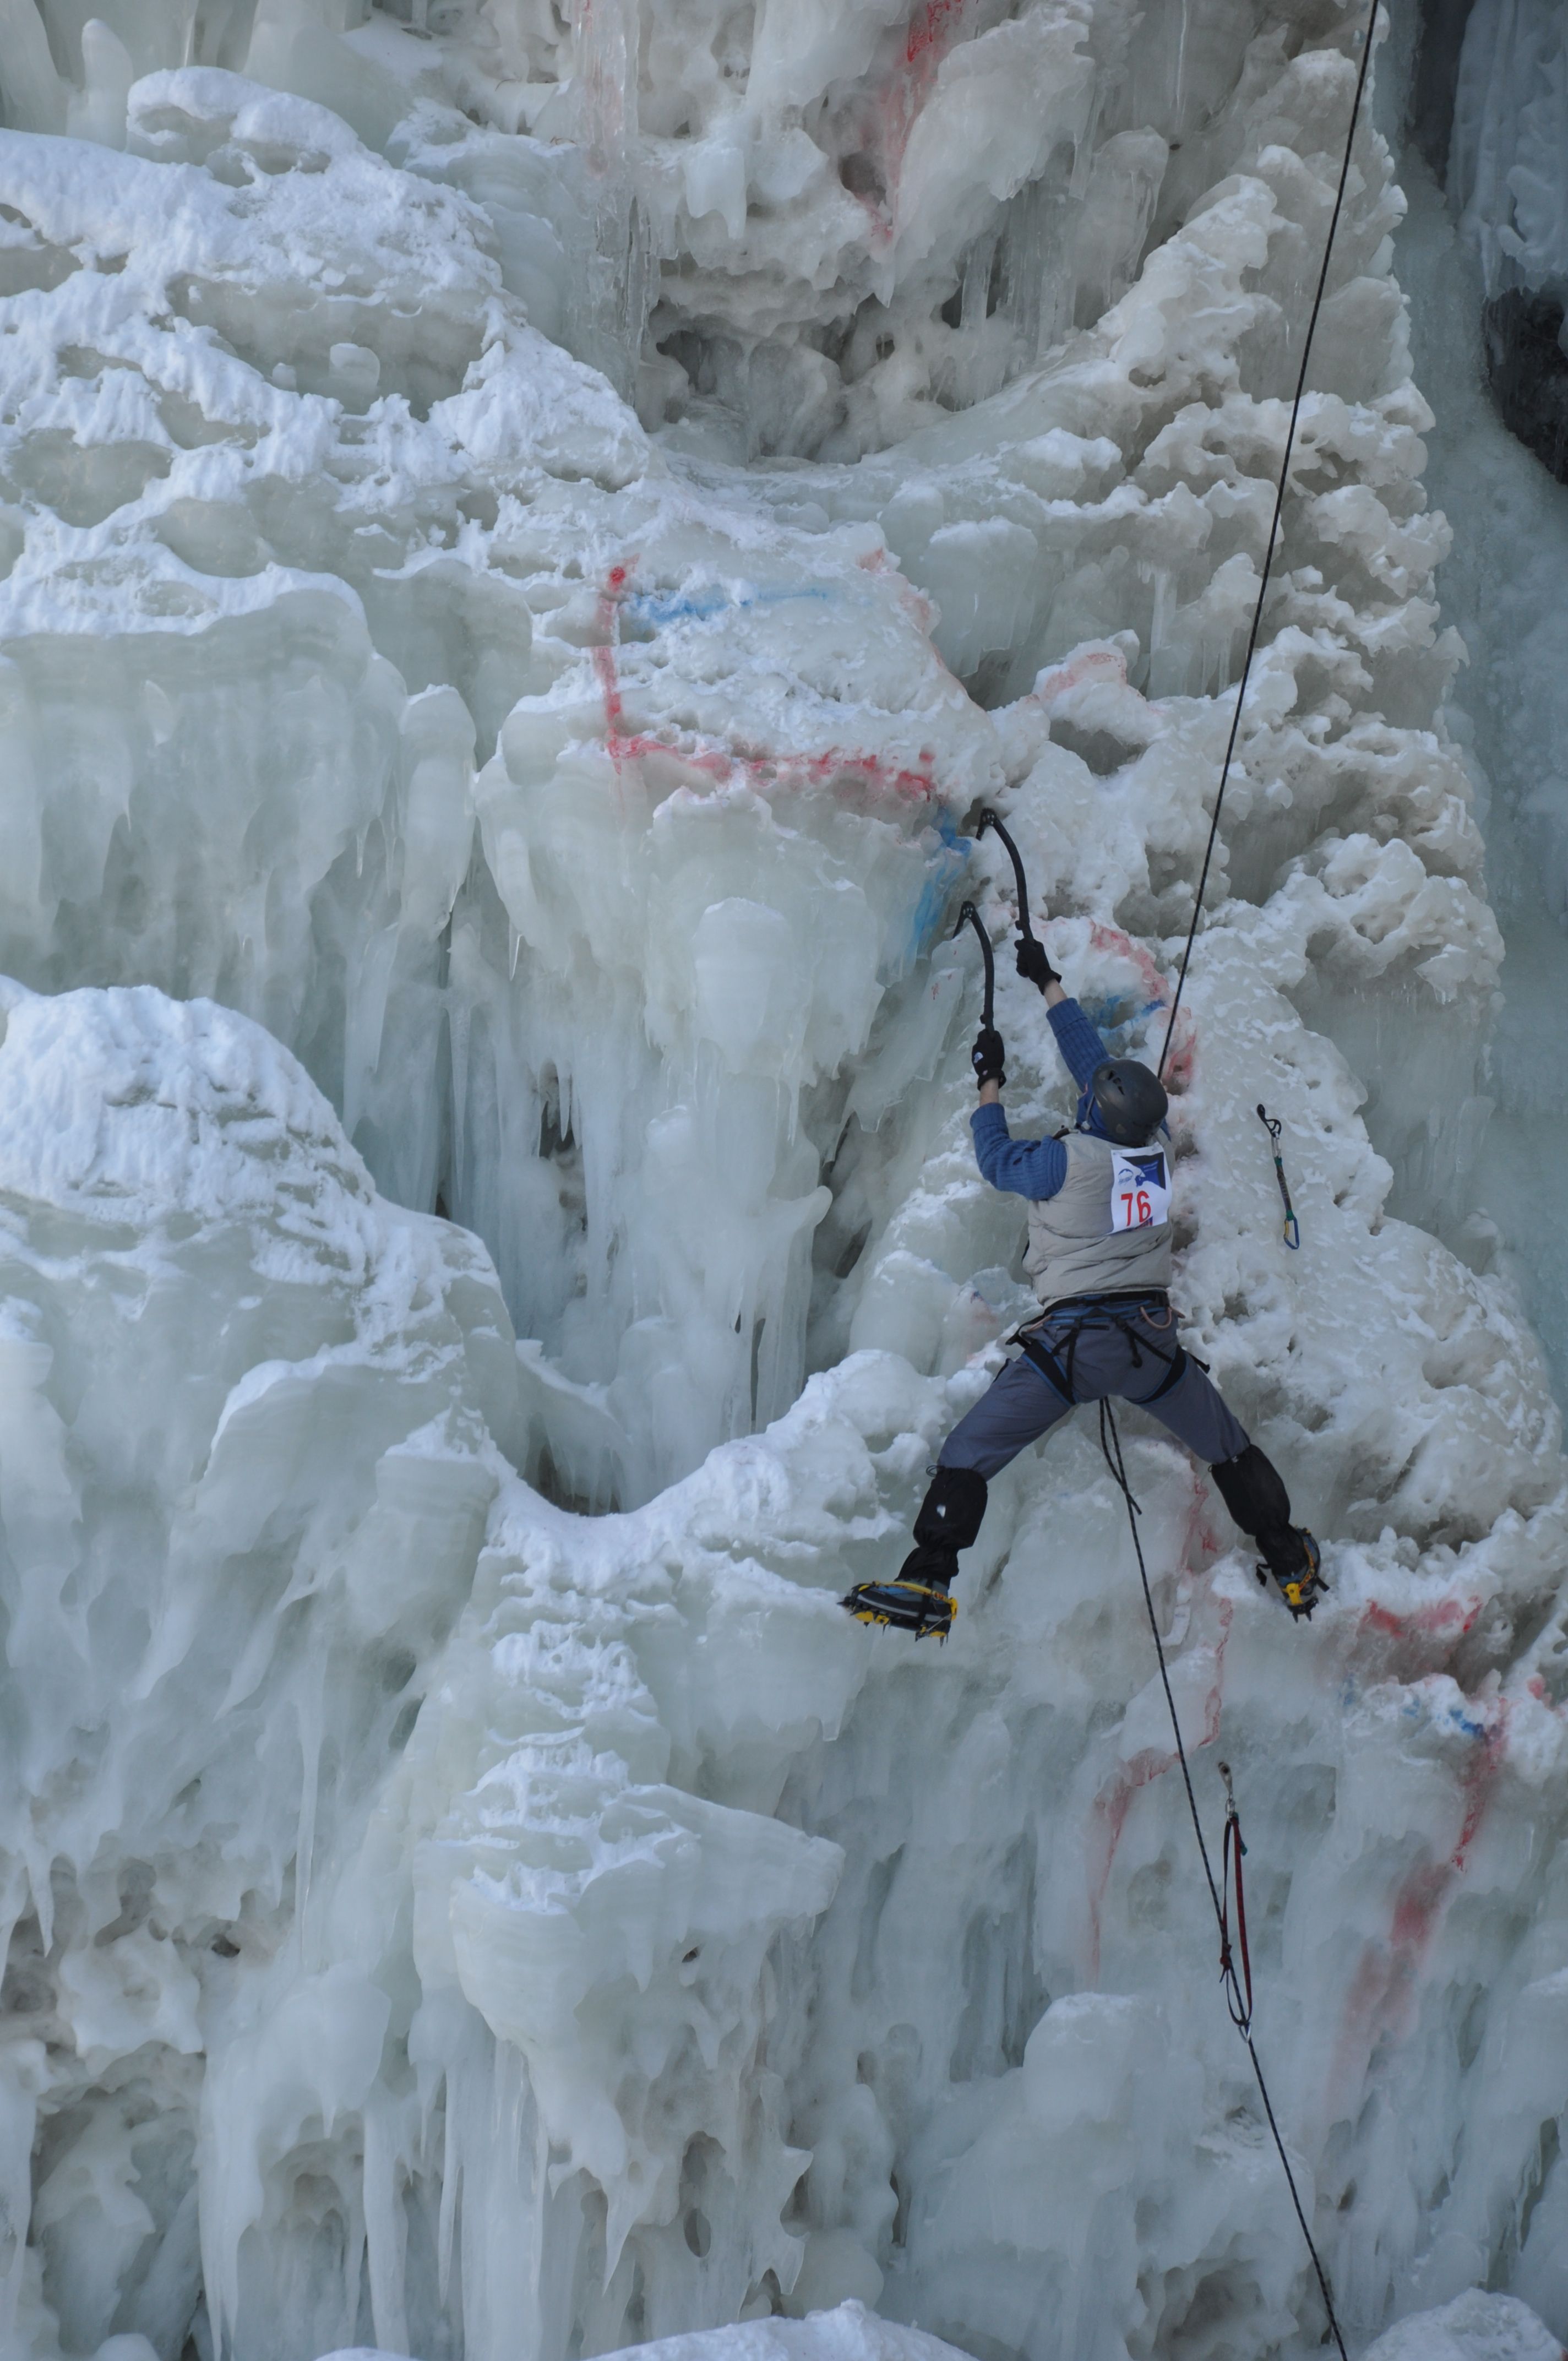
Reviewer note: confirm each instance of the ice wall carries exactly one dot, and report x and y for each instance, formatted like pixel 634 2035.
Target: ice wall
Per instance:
pixel 1499 584
pixel 530 538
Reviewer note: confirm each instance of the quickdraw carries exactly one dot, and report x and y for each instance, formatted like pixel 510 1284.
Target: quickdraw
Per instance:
pixel 1274 1127
pixel 1238 1994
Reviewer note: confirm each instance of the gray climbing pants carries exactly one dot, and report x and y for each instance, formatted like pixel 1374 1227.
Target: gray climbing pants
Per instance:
pixel 1131 1358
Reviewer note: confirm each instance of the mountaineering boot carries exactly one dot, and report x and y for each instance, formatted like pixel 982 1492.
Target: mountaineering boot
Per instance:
pixel 1253 1489
pixel 1293 1558
pixel 919 1599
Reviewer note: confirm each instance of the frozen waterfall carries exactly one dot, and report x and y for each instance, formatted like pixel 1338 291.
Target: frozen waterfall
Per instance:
pixel 530 531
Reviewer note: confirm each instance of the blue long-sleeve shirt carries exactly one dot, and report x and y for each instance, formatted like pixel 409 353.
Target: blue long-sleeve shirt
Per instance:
pixel 1036 1167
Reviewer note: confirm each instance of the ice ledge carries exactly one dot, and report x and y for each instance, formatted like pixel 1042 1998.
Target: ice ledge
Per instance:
pixel 1475 2327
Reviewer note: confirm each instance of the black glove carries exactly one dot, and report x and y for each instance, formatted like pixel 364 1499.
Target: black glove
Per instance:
pixel 988 1056
pixel 1034 965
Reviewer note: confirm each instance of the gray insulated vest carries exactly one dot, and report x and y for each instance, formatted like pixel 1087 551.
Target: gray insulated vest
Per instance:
pixel 1073 1250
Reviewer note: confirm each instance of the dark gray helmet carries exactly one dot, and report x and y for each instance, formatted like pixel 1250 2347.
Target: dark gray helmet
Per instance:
pixel 1129 1100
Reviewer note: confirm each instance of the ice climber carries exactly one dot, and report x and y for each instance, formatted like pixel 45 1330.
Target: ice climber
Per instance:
pixel 1099 1257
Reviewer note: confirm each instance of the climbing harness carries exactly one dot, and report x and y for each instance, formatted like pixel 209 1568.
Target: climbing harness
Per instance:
pixel 1274 1127
pixel 1238 2000
pixel 1273 530
pixel 1102 1312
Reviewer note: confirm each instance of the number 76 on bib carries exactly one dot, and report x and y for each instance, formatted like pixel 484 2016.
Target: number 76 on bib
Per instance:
pixel 1140 1190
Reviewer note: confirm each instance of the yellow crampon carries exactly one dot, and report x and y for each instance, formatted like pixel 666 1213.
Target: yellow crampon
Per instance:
pixel 1301 1591
pixel 901 1606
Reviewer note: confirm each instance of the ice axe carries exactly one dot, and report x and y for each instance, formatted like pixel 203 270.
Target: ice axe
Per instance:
pixel 970 917
pixel 987 1054
pixel 1034 961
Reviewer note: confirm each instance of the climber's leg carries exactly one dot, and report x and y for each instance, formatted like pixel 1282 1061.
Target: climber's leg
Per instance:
pixel 1019 1406
pixel 1186 1401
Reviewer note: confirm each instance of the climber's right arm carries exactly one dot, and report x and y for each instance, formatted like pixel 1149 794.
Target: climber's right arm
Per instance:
pixel 1081 1046
pixel 1025 1168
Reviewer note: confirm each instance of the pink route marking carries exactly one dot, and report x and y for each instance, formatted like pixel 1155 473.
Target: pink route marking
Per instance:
pixel 1448 1618
pixel 937 16
pixel 1108 1818
pixel 1178 1065
pixel 1107 1813
pixel 1084 667
pixel 759 768
pixel 1383 1991
pixel 896 107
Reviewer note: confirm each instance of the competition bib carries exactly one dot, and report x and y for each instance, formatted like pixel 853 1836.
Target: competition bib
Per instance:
pixel 1140 1189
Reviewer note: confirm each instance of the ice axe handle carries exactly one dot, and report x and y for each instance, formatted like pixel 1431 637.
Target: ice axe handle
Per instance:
pixel 970 917
pixel 988 819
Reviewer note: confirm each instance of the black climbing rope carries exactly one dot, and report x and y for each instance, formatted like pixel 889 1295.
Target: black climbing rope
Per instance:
pixel 1237 1982
pixel 1272 529
pixel 1272 1124
pixel 1238 1989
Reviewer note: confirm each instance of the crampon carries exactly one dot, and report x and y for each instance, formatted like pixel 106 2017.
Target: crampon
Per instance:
pixel 918 1606
pixel 1303 1586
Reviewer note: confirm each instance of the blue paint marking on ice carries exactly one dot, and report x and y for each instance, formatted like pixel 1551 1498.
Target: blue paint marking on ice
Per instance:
pixel 1117 1024
pixel 930 911
pixel 699 606
pixel 1108 1016
pixel 927 920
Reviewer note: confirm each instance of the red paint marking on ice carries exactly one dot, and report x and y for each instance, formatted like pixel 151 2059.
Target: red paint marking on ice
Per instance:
pixel 1107 1818
pixel 1178 1065
pixel 936 19
pixel 1445 1617
pixel 1384 1989
pixel 1107 1813
pixel 1072 674
pixel 839 767
pixel 932 30
pixel 1112 938
pixel 603 659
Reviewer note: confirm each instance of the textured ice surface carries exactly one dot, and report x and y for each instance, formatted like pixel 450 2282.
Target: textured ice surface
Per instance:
pixel 1501 584
pixel 1510 127
pixel 848 2332
pixel 1473 2327
pixel 529 539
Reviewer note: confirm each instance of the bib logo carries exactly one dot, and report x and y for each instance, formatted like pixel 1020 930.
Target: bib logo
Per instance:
pixel 1140 1190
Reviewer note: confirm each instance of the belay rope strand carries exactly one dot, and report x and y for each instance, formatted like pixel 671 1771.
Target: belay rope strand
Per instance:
pixel 1237 1982
pixel 1273 1126
pixel 1273 530
pixel 1238 1989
